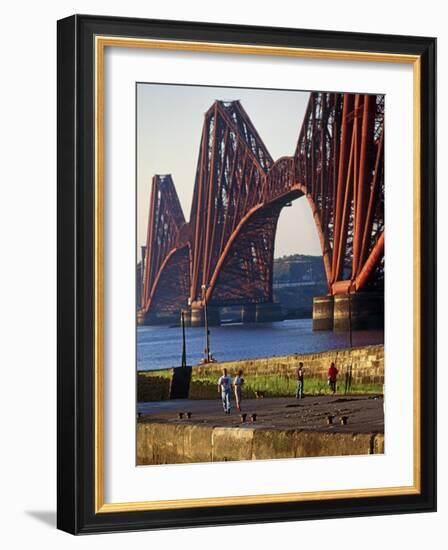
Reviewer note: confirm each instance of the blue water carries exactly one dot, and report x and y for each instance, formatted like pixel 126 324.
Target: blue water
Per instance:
pixel 160 347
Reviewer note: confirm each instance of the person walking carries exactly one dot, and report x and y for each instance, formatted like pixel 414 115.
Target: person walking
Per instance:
pixel 224 388
pixel 300 379
pixel 332 377
pixel 238 388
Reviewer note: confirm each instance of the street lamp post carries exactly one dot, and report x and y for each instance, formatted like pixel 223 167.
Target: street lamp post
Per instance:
pixel 350 334
pixel 184 349
pixel 207 334
pixel 348 383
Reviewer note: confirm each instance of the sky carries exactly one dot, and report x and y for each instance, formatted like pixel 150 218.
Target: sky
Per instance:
pixel 169 126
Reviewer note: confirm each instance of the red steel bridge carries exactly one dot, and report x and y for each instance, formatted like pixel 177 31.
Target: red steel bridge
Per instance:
pixel 224 254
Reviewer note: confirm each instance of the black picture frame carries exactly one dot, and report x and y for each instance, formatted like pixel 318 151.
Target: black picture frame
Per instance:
pixel 76 255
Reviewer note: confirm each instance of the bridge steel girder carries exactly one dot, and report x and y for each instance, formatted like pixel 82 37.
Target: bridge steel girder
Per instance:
pixel 239 191
pixel 170 290
pixel 232 167
pixel 339 162
pixel 166 265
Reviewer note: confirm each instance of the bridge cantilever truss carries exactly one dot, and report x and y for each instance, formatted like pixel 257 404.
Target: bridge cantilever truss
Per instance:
pixel 227 247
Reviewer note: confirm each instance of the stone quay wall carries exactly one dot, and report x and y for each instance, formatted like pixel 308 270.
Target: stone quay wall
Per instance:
pixel 162 443
pixel 367 365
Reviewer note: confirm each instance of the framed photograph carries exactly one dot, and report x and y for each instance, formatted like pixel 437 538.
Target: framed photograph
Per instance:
pixel 246 274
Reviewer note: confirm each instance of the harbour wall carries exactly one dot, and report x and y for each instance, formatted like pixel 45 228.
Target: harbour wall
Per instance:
pixel 367 363
pixel 163 443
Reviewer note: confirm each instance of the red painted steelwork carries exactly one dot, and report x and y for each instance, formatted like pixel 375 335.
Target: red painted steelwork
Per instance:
pixel 342 141
pixel 239 192
pixel 167 235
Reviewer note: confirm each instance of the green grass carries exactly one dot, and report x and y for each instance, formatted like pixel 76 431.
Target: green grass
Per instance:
pixel 154 386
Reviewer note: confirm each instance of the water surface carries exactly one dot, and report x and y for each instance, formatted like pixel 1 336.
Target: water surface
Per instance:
pixel 160 347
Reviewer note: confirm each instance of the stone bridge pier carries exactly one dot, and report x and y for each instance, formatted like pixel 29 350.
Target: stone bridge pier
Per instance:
pixel 361 311
pixel 268 312
pixel 197 316
pixel 248 313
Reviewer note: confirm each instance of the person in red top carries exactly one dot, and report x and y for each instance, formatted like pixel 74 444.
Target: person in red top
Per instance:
pixel 332 377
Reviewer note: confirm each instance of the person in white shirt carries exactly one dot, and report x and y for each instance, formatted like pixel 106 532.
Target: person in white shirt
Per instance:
pixel 238 387
pixel 224 387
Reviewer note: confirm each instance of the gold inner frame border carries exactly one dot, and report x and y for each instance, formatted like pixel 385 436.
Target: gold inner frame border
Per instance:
pixel 101 42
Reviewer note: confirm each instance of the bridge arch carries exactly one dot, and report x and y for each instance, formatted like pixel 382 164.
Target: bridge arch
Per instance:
pixel 170 288
pixel 297 190
pixel 239 192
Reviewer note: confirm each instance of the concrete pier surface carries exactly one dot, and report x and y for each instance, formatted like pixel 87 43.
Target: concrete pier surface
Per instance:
pixel 364 413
